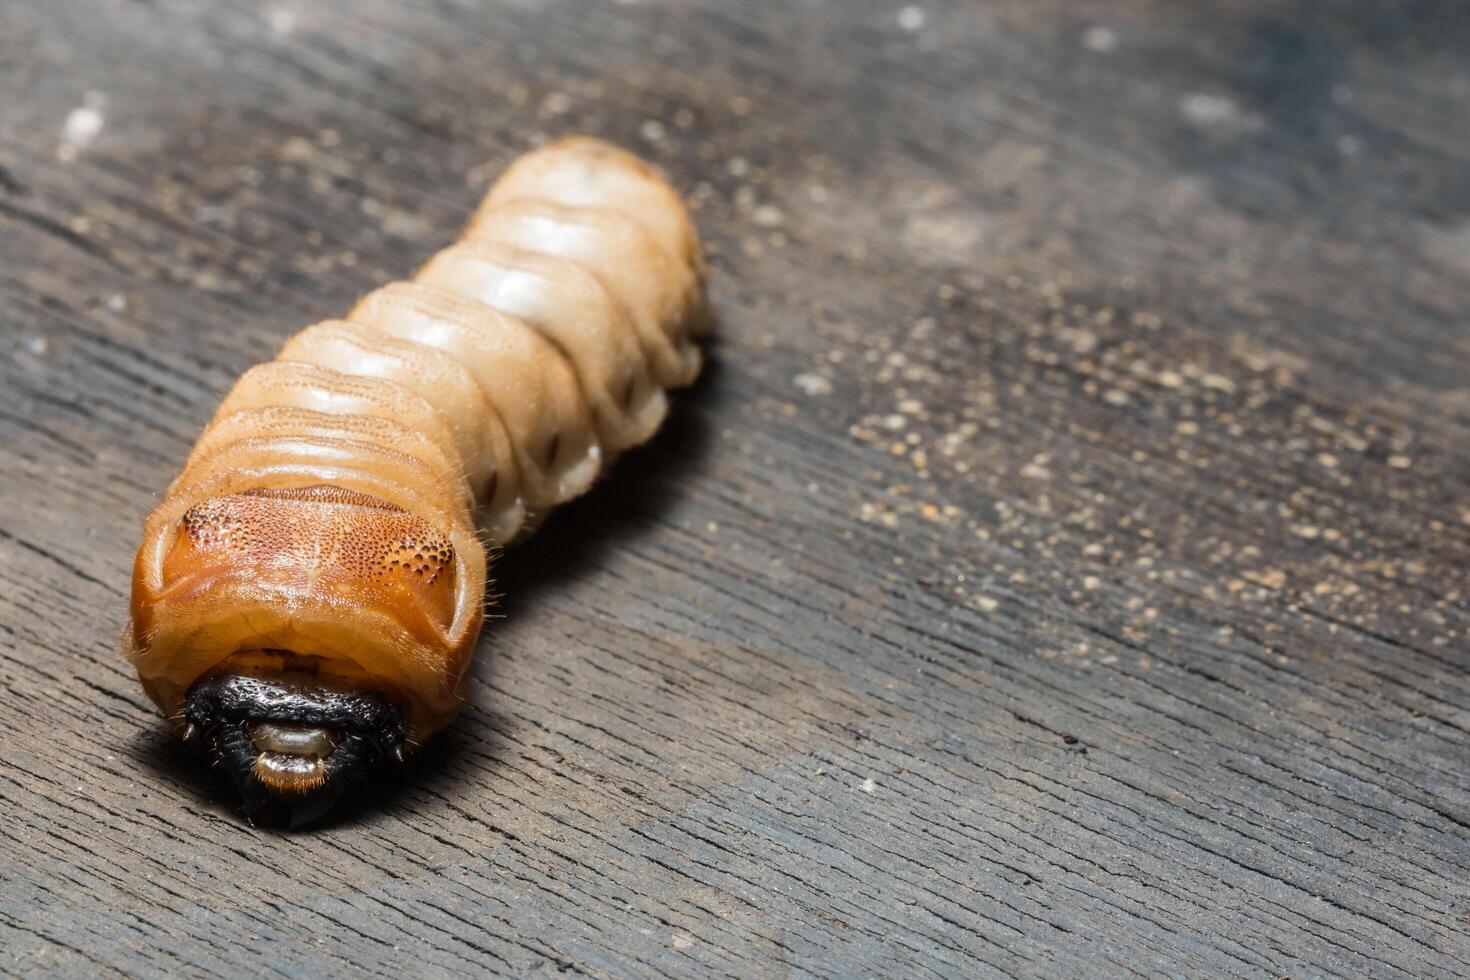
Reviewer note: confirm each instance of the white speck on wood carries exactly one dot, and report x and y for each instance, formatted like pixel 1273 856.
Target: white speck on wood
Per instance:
pixel 282 21
pixel 1205 109
pixel 84 122
pixel 768 216
pixel 1100 39
pixel 813 384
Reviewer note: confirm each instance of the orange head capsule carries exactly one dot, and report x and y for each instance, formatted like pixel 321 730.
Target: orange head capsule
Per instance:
pixel 295 700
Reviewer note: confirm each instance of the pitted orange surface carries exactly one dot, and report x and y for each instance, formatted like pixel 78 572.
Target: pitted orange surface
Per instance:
pixel 330 538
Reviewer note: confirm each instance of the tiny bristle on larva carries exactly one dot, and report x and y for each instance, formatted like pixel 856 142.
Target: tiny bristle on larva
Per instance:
pixel 288 773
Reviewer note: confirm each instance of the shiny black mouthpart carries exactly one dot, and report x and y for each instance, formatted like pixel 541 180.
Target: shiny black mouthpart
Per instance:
pixel 369 729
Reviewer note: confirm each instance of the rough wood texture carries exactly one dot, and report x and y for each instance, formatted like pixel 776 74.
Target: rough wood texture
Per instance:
pixel 1062 568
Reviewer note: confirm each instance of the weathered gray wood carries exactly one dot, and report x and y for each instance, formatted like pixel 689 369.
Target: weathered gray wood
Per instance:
pixel 1061 570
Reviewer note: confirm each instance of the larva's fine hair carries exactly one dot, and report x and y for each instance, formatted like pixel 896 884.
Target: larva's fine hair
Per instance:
pixel 336 513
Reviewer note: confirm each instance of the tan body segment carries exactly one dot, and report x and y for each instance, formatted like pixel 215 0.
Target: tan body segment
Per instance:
pixel 337 509
pixel 570 307
pixel 528 380
pixel 661 295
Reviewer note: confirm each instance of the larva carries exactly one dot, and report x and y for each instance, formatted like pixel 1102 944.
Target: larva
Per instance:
pixel 308 593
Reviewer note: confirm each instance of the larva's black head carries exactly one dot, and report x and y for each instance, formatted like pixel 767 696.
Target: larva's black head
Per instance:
pixel 292 744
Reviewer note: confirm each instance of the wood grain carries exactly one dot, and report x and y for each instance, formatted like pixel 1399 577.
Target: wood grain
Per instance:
pixel 1062 569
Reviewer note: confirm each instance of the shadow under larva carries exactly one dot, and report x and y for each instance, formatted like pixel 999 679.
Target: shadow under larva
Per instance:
pixel 307 596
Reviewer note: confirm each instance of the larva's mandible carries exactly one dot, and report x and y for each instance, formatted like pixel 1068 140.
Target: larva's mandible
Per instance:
pixel 308 594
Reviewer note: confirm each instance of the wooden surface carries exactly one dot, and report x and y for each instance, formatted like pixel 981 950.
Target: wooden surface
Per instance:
pixel 1061 570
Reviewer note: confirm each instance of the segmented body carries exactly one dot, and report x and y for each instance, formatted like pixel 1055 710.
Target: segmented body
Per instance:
pixel 338 506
